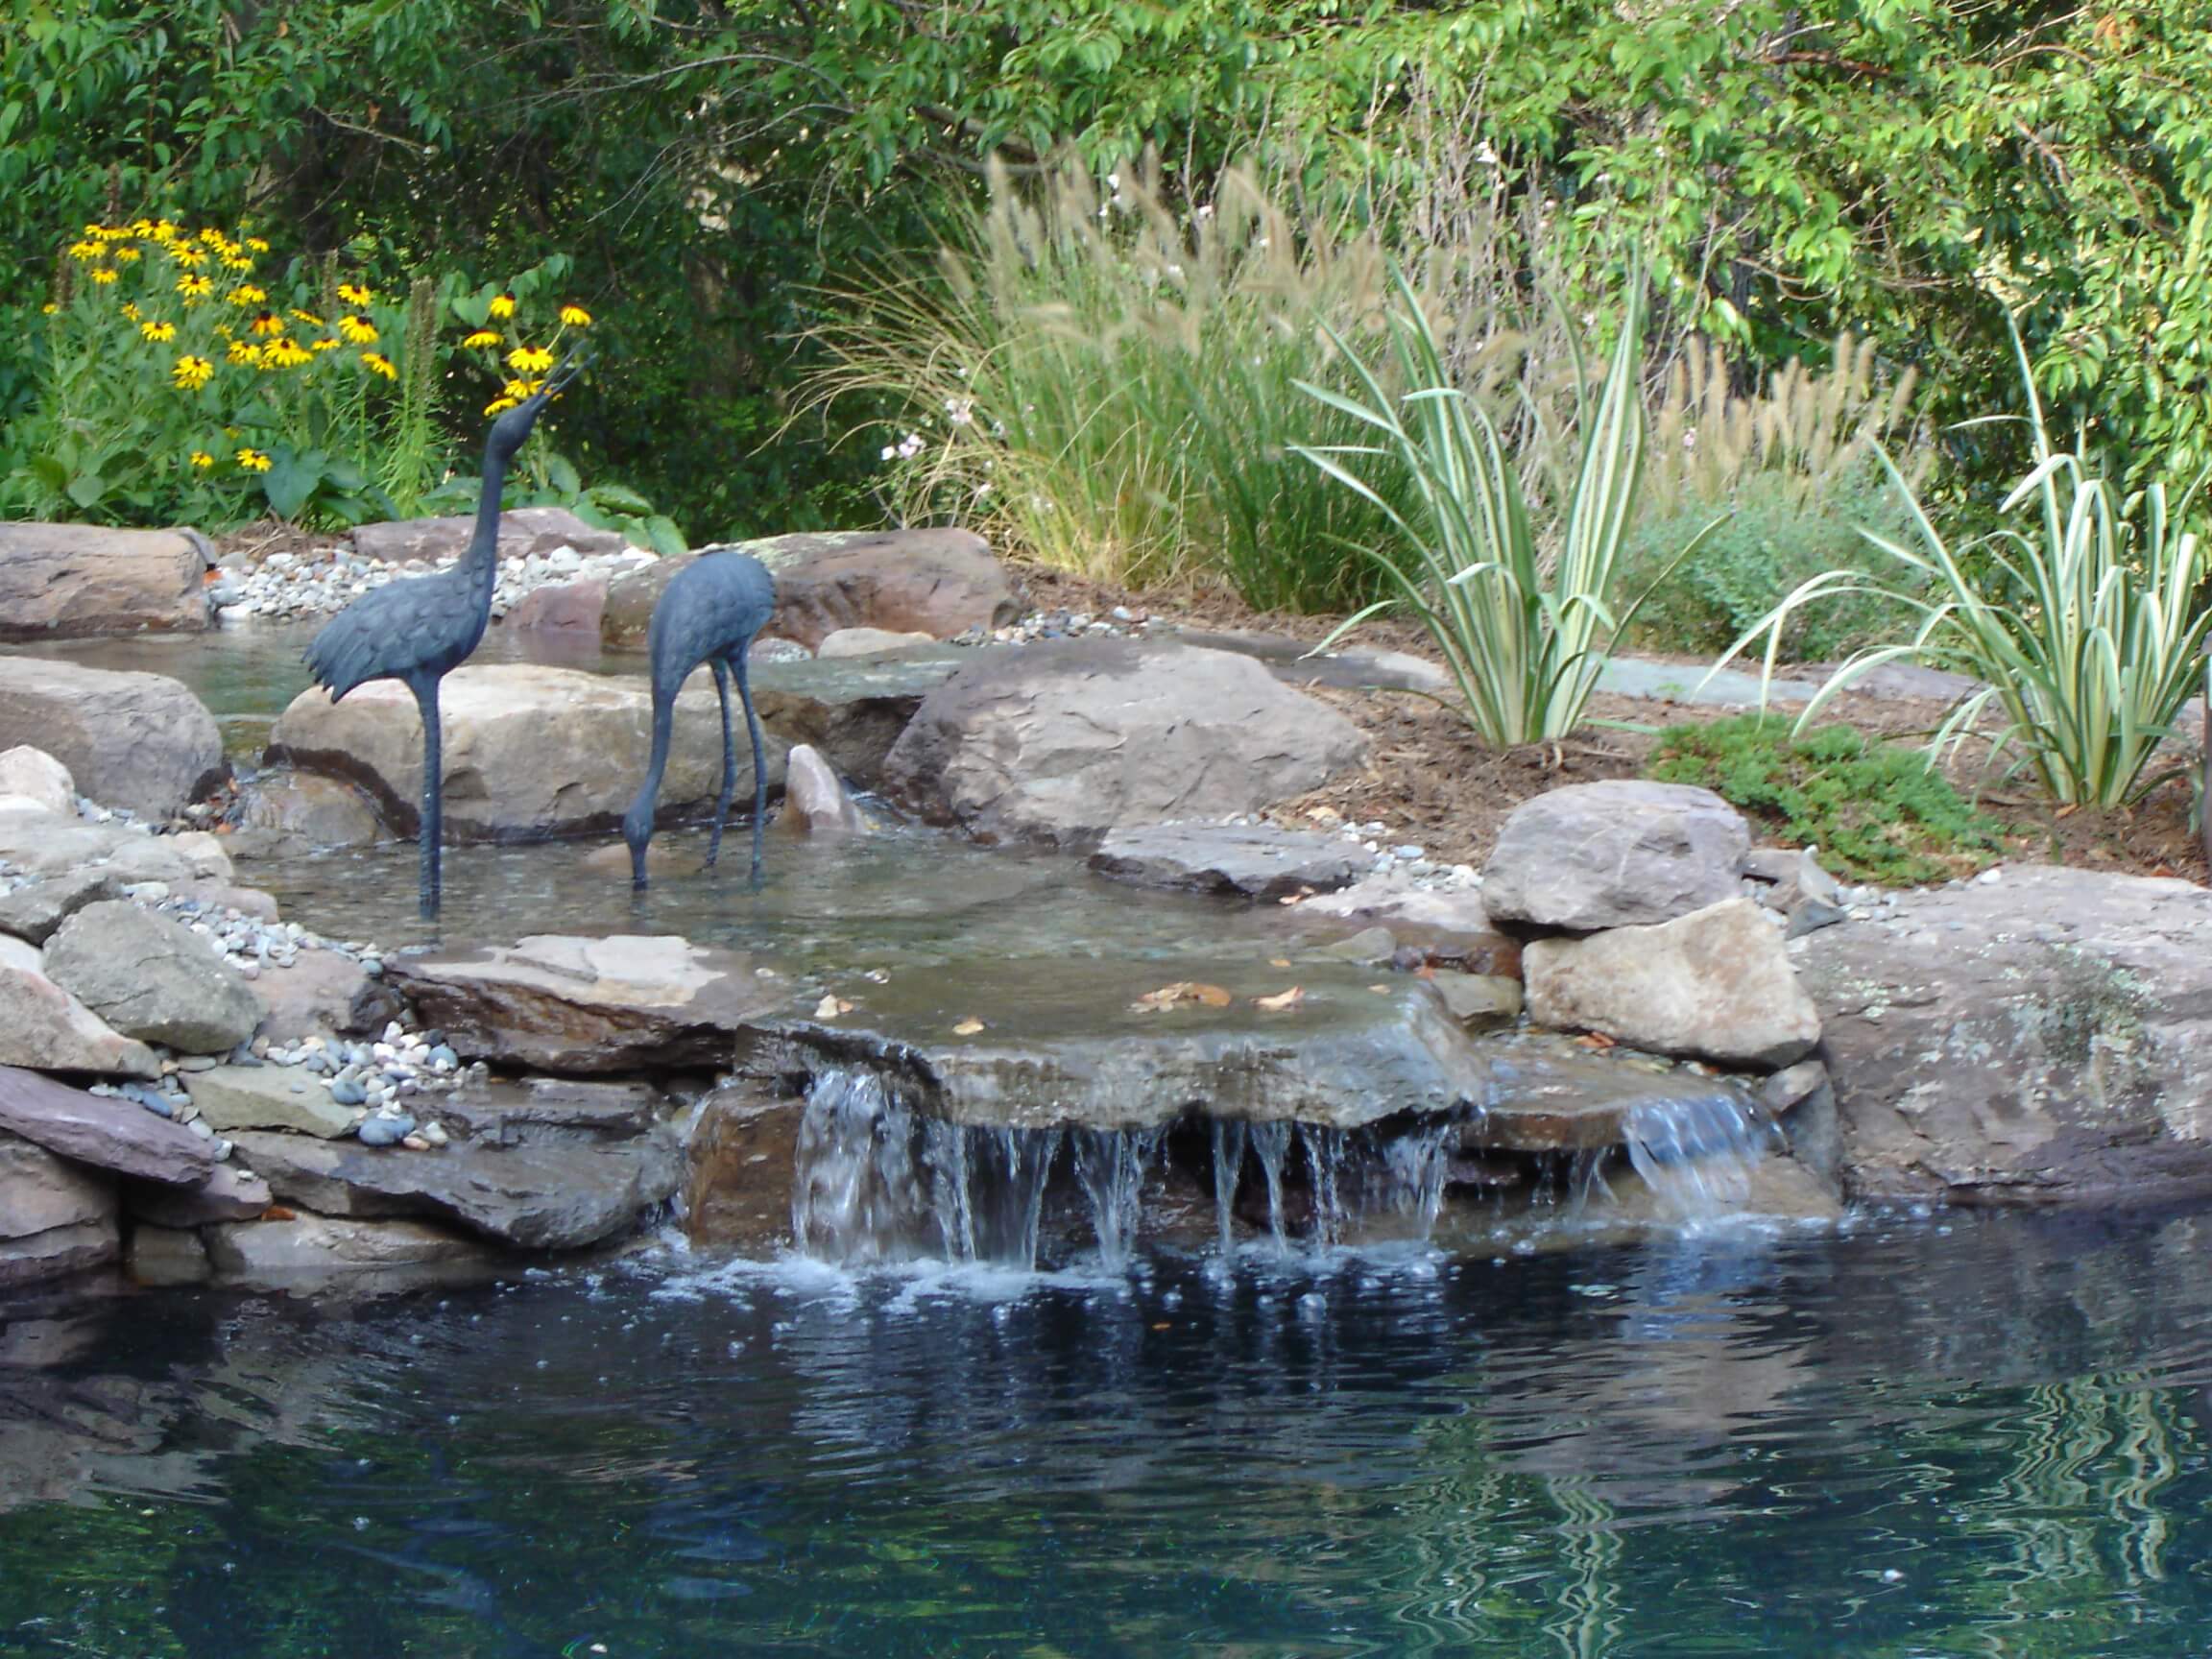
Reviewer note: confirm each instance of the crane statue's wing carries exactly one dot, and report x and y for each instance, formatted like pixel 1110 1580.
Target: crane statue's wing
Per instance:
pixel 385 634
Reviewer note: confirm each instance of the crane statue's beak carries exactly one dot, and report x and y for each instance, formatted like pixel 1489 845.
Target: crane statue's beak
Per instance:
pixel 565 370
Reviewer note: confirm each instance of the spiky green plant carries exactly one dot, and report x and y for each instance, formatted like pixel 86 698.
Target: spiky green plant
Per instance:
pixel 2079 624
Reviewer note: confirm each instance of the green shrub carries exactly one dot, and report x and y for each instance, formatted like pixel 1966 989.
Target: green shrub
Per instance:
pixel 1875 812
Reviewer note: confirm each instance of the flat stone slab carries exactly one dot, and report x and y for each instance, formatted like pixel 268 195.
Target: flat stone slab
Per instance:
pixel 559 1109
pixel 101 1131
pixel 230 1194
pixel 291 1097
pixel 307 1251
pixel 152 977
pixel 557 1002
pixel 536 1197
pixel 1550 1096
pixel 1257 861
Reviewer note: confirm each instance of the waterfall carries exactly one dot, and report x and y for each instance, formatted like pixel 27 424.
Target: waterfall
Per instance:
pixel 855 1191
pixel 1324 1171
pixel 1110 1167
pixel 1271 1144
pixel 1696 1155
pixel 1227 1168
pixel 1406 1173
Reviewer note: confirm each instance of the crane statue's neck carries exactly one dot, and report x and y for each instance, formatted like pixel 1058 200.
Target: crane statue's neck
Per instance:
pixel 482 559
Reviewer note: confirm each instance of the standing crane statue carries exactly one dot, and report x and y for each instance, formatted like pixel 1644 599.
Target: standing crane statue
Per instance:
pixel 419 630
pixel 709 614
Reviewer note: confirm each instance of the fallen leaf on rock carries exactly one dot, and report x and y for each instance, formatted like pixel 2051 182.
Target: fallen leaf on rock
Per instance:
pixel 1277 961
pixel 829 1007
pixel 1597 1039
pixel 1298 898
pixel 967 1027
pixel 1182 991
pixel 277 1212
pixel 1379 989
pixel 1281 1000
pixel 1213 996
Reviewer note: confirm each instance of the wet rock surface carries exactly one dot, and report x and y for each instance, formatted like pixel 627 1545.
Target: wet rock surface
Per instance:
pixel 152 978
pixel 2041 1037
pixel 738 1184
pixel 1062 741
pixel 852 712
pixel 308 809
pixel 1254 862
pixel 1618 854
pixel 69 581
pixel 54 1218
pixel 140 741
pixel 815 801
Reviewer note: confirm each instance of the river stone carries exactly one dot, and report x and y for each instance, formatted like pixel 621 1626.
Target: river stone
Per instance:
pixel 43 1027
pixel 742 1152
pixel 231 1193
pixel 547 1109
pixel 305 1251
pixel 58 1252
pixel 566 607
pixel 1254 860
pixel 1617 854
pixel 555 1002
pixel 153 979
pixel 72 581
pixel 162 1258
pixel 1447 928
pixel 101 1131
pixel 538 1196
pixel 37 776
pixel 814 801
pixel 2043 1039
pixel 934 581
pixel 137 740
pixel 322 994
pixel 530 751
pixel 522 531
pixel 1479 1001
pixel 1716 984
pixel 852 712
pixel 232 1097
pixel 308 810
pixel 1062 740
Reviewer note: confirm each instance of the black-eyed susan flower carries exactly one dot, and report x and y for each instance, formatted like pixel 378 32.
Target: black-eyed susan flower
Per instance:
pixel 244 354
pixel 130 311
pixel 213 237
pixel 285 352
pixel 245 293
pixel 165 230
pixel 575 315
pixel 235 261
pixel 504 305
pixel 201 459
pixel 159 332
pixel 482 338
pixel 48 309
pixel 325 344
pixel 256 244
pixel 104 275
pixel 376 363
pixel 499 405
pixel 192 373
pixel 355 293
pixel 125 254
pixel 194 288
pixel 254 461
pixel 191 258
pixel 530 359
pixel 85 250
pixel 357 330
pixel 267 323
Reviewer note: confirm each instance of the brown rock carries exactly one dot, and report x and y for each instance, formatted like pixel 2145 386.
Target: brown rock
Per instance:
pixel 738 1193
pixel 36 776
pixel 522 531
pixel 40 1192
pixel 44 1028
pixel 137 740
pixel 70 581
pixel 101 1132
pixel 561 608
pixel 309 808
pixel 322 994
pixel 814 801
pixel 306 1250
pixel 161 1258
pixel 230 1194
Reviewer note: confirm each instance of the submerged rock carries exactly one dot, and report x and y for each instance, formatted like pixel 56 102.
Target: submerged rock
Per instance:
pixel 137 740
pixel 743 1151
pixel 852 712
pixel 307 808
pixel 160 1257
pixel 529 751
pixel 152 978
pixel 1618 854
pixel 1254 860
pixel 72 581
pixel 1067 739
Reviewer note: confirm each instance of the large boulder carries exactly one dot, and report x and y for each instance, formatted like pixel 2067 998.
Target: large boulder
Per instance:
pixel 529 751
pixel 2045 1037
pixel 102 1131
pixel 1063 741
pixel 522 531
pixel 54 1218
pixel 307 809
pixel 69 581
pixel 1251 860
pixel 137 740
pixel 1716 984
pixel 1622 853
pixel 934 581
pixel 34 910
pixel 45 1029
pixel 153 979
pixel 552 1003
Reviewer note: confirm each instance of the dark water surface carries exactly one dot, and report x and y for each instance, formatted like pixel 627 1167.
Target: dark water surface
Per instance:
pixel 1981 1437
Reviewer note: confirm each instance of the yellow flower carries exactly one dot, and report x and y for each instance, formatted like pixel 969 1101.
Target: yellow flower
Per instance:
pixel 188 257
pixel 357 330
pixel 530 359
pixel 158 331
pixel 254 461
pixel 307 317
pixel 130 311
pixel 213 237
pixel 245 355
pixel 504 305
pixel 285 352
pixel 49 308
pixel 267 323
pixel 256 244
pixel 499 405
pixel 521 389
pixel 103 277
pixel 163 232
pixel 354 294
pixel 194 288
pixel 202 460
pixel 86 250
pixel 125 254
pixel 98 230
pixel 245 293
pixel 575 315
pixel 192 373
pixel 323 345
pixel 379 363
pixel 481 338
pixel 238 262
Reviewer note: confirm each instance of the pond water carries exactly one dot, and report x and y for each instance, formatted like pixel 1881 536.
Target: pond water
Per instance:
pixel 1911 1437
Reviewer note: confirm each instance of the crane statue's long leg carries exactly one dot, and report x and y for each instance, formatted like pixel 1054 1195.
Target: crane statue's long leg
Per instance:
pixel 433 776
pixel 759 765
pixel 728 761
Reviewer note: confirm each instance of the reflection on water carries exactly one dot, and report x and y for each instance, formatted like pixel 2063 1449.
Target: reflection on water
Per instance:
pixel 1917 1438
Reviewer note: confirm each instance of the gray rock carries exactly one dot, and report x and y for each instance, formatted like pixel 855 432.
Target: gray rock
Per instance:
pixel 152 978
pixel 355 1256
pixel 58 1252
pixel 1448 928
pixel 852 712
pixel 538 1196
pixel 1550 1096
pixel 33 912
pixel 1258 861
pixel 539 1108
pixel 162 1258
pixel 71 581
pixel 1067 739
pixel 1479 1001
pixel 137 740
pixel 2047 1040
pixel 322 994
pixel 100 1132
pixel 232 1097
pixel 382 1131
pixel 530 751
pixel 1617 854
pixel 229 1194
pixel 307 809
pixel 43 1027
pixel 552 1003
pixel 1797 886
pixel 1716 984
pixel 814 801
pixel 523 531
pixel 40 1192
pixel 37 776
pixel 869 642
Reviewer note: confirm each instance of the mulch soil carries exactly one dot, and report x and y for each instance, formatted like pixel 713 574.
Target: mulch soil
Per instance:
pixel 1432 783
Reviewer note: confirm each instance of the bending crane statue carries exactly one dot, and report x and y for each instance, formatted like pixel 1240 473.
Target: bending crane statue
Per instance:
pixel 709 614
pixel 419 630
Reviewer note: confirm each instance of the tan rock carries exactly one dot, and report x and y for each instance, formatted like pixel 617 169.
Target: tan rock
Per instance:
pixel 70 581
pixel 869 642
pixel 36 776
pixel 45 1029
pixel 137 740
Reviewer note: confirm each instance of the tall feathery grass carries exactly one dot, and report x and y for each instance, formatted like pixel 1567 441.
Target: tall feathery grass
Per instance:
pixel 1109 382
